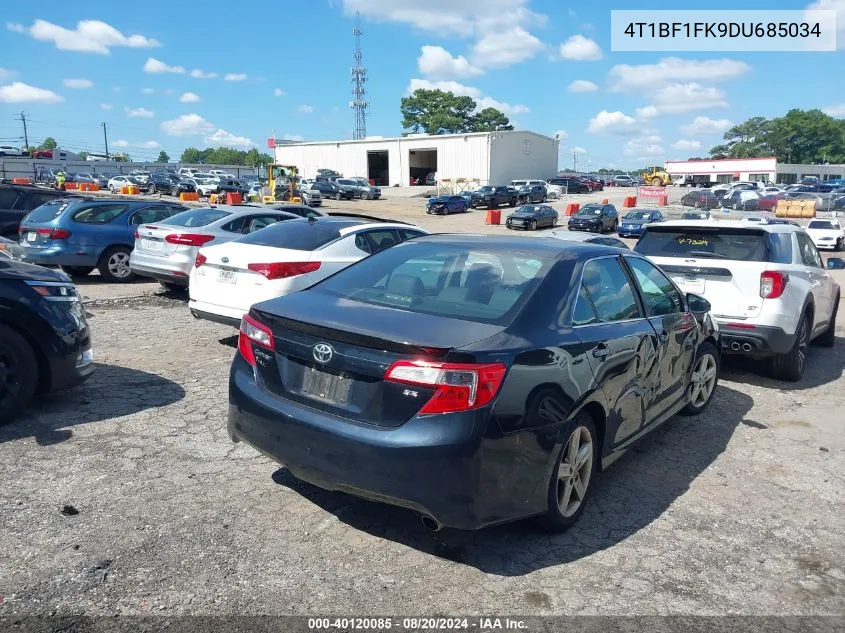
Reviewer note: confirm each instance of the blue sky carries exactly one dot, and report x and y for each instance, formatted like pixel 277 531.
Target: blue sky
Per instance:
pixel 185 76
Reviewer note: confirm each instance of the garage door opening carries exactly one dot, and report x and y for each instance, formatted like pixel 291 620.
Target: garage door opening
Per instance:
pixel 377 168
pixel 423 164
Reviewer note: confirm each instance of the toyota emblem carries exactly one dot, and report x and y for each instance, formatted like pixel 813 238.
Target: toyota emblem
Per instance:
pixel 323 352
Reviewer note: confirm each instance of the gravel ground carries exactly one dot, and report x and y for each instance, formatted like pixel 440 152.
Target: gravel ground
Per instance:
pixel 125 496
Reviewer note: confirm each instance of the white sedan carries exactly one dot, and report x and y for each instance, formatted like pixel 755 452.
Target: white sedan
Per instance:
pixel 118 182
pixel 229 278
pixel 826 234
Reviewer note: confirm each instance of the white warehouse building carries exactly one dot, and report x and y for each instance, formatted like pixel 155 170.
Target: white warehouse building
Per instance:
pixel 486 157
pixel 723 170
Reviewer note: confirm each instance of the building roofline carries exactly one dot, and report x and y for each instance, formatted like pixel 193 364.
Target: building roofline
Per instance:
pixel 720 160
pixel 413 138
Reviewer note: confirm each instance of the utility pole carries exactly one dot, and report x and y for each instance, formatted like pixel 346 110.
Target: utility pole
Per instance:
pixel 105 139
pixel 588 162
pixel 359 103
pixel 574 161
pixel 25 137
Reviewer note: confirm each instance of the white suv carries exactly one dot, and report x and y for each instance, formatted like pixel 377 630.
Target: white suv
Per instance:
pixel 767 285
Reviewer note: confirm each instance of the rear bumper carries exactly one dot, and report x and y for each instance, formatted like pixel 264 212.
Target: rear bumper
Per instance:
pixel 434 465
pixel 217 314
pixel 635 232
pixel 170 276
pixel 67 255
pixel 758 342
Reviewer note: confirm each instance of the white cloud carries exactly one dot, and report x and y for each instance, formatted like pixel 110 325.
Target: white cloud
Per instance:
pixel 706 125
pixel 139 112
pixel 222 137
pixel 578 150
pixel 189 97
pixel 154 65
pixel 582 85
pixel 106 106
pixel 121 143
pixel 278 92
pixel 623 77
pixel 150 145
pixel 437 63
pixel 305 109
pixel 679 98
pixel 465 18
pixel 491 52
pixel 234 77
pixel 90 36
pixel 198 73
pixel 580 49
pixel 187 125
pixel 839 7
pixel 462 90
pixel 685 144
pixel 19 92
pixel 644 146
pixel 837 111
pixel 613 123
pixel 77 83
pixel 293 137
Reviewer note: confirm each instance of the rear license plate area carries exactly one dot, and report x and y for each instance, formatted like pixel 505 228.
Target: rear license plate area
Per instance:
pixel 690 283
pixel 227 276
pixel 152 245
pixel 326 386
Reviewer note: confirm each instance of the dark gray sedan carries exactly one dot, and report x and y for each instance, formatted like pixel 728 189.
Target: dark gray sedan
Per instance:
pixel 532 216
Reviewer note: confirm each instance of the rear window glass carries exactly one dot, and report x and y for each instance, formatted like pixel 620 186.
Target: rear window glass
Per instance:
pixel 638 215
pixel 300 235
pixel 735 244
pixel 197 217
pixel 444 280
pixel 99 214
pixel 48 211
pixel 822 224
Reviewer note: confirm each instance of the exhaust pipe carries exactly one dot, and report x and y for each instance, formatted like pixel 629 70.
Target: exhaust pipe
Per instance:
pixel 430 523
pixel 735 346
pixel 746 347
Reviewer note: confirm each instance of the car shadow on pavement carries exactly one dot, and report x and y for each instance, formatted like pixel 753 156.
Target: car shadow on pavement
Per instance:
pixel 824 366
pixel 633 493
pixel 112 391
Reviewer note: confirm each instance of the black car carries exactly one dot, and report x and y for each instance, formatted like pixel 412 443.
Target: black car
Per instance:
pixel 18 200
pixel 571 185
pixel 532 216
pixel 701 199
pixel 329 189
pixel 596 218
pixel 45 342
pixel 491 197
pixel 532 193
pixel 233 185
pixel 161 182
pixel 473 379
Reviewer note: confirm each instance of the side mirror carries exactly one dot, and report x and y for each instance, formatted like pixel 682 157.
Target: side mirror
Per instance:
pixel 836 263
pixel 697 303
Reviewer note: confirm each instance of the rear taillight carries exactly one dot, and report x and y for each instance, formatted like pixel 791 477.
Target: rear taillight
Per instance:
pixel 200 260
pixel 137 235
pixel 282 270
pixel 772 284
pixel 253 333
pixel 457 387
pixel 188 239
pixel 53 234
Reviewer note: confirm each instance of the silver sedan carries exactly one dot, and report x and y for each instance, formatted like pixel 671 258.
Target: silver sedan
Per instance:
pixel 166 251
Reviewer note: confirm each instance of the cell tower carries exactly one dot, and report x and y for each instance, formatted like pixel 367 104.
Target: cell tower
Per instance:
pixel 359 77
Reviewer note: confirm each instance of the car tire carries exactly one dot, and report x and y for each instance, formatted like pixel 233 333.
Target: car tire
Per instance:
pixel 77 271
pixel 174 192
pixel 828 337
pixel 573 471
pixel 18 373
pixel 152 189
pixel 704 379
pixel 790 366
pixel 533 225
pixel 338 196
pixel 114 265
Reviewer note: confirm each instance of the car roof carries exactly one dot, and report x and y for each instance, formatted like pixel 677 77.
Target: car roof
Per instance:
pixel 539 245
pixel 573 236
pixel 728 224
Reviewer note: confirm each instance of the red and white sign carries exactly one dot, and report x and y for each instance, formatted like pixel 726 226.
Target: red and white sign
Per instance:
pixel 271 143
pixel 651 192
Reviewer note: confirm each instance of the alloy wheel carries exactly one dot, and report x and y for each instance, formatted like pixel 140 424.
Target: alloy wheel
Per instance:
pixel 575 471
pixel 803 344
pixel 118 265
pixel 703 380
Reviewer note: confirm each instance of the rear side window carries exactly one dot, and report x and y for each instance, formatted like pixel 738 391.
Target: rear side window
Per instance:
pixel 300 235
pixel 736 244
pixel 197 217
pixel 444 280
pixel 610 290
pixel 48 212
pixel 99 214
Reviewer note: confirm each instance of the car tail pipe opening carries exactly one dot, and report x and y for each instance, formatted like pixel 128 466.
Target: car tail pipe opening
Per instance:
pixel 431 523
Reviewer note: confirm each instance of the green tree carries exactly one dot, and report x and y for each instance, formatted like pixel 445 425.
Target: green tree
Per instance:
pixel 746 140
pixel 82 155
pixel 49 143
pixel 191 155
pixel 436 112
pixel 490 120
pixel 122 157
pixel 807 136
pixel 163 157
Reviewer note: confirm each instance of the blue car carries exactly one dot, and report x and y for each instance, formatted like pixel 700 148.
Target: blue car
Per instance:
pixel 81 234
pixel 443 205
pixel 633 223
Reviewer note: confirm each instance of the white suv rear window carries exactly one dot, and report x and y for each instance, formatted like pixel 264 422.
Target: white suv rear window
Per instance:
pixel 737 244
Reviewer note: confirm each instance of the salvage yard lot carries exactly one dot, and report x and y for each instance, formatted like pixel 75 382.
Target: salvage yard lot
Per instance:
pixel 738 510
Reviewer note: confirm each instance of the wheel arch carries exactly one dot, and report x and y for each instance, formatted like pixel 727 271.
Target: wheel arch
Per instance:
pixel 44 376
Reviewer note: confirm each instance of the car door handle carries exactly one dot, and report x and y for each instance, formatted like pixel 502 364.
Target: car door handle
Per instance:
pixel 601 351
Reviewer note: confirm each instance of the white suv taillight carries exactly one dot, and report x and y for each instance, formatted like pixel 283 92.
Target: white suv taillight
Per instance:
pixel 772 284
pixel 457 387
